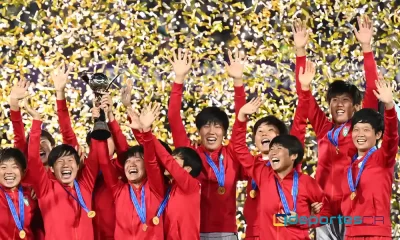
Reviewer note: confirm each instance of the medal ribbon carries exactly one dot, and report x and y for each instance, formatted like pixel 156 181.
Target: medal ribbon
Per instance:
pixel 19 221
pixel 253 183
pixel 349 172
pixel 164 203
pixel 335 138
pixel 220 174
pixel 140 209
pixel 295 191
pixel 79 194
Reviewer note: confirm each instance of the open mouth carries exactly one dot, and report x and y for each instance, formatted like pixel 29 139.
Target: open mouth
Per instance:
pixel 340 112
pixel 265 142
pixel 211 140
pixel 66 174
pixel 274 160
pixel 133 171
pixel 361 141
pixel 9 179
pixel 42 154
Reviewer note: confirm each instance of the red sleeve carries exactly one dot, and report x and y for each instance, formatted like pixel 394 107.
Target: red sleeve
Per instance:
pixel 121 145
pixel 19 131
pixel 138 135
pixel 179 135
pixel 91 170
pixel 238 140
pixel 240 99
pixel 299 125
pixel 154 175
pixel 109 172
pixel 300 62
pixel 182 178
pixel 66 130
pixel 36 175
pixel 317 195
pixel 390 139
pixel 371 75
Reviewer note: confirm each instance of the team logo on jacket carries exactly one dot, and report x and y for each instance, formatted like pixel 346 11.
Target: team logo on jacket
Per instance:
pixel 26 201
pixel 345 131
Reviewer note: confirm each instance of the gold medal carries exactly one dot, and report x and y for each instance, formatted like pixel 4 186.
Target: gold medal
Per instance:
pixel 253 193
pixel 337 150
pixel 353 195
pixel 91 214
pixel 221 190
pixel 156 220
pixel 22 234
pixel 144 227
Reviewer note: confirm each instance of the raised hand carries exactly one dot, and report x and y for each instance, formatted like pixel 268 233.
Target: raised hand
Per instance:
pixel 95 112
pixel 20 90
pixel 300 33
pixel 384 93
pixel 236 66
pixel 181 64
pixel 34 114
pixel 148 115
pixel 60 76
pixel 135 122
pixel 126 94
pixel 365 32
pixel 106 103
pixel 307 75
pixel 249 108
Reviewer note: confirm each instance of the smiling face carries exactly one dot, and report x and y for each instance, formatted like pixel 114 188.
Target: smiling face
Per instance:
pixel 364 136
pixel 341 108
pixel 211 136
pixel 134 169
pixel 264 134
pixel 65 169
pixel 45 148
pixel 11 173
pixel 280 158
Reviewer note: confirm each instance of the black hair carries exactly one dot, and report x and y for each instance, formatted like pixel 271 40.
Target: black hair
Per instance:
pixel 61 151
pixel 7 154
pixel 340 87
pixel 133 152
pixel 47 135
pixel 370 116
pixel 270 120
pixel 292 144
pixel 190 158
pixel 212 115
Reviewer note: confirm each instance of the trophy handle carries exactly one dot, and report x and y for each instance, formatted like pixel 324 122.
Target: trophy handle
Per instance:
pixel 109 85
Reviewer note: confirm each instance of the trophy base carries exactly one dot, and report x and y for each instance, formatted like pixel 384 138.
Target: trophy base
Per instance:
pixel 100 131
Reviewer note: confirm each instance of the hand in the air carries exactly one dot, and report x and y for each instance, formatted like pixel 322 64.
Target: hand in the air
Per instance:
pixel 249 108
pixel 60 76
pixel 306 76
pixel 181 64
pixel 236 64
pixel 148 115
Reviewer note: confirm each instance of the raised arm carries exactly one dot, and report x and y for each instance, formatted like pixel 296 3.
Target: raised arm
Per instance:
pixel 36 174
pixel 181 65
pixel 154 174
pixel 60 79
pixel 364 36
pixel 108 170
pixel 390 140
pixel 238 140
pixel 91 169
pixel 316 116
pixel 18 92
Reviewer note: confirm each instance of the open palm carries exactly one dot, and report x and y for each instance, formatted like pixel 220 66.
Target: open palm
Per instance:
pixel 181 63
pixel 300 34
pixel 306 76
pixel 149 114
pixel 365 32
pixel 60 76
pixel 134 119
pixel 384 91
pixel 251 107
pixel 20 90
pixel 237 64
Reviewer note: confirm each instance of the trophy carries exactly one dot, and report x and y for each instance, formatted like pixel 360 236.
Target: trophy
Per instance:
pixel 99 83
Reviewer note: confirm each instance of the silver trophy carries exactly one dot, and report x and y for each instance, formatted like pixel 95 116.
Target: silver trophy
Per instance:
pixel 99 83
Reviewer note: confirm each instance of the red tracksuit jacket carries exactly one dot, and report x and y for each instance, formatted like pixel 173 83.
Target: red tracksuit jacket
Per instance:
pixel 128 224
pixel 251 205
pixel 331 165
pixel 63 216
pixel 182 214
pixel 373 193
pixel 270 202
pixel 8 228
pixel 218 212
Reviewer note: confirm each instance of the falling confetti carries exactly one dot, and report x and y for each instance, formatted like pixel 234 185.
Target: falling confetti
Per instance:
pixel 132 38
